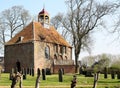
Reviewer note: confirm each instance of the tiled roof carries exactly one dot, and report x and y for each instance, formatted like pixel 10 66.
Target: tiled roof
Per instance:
pixel 36 32
pixel 44 12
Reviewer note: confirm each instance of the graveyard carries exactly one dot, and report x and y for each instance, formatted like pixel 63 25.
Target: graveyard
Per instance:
pixel 52 81
pixel 45 50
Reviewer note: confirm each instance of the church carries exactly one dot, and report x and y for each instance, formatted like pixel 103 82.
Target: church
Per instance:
pixel 39 45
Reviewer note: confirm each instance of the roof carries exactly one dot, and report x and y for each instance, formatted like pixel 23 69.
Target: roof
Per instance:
pixel 43 12
pixel 36 32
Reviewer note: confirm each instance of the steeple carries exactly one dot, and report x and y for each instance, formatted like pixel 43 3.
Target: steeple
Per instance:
pixel 43 18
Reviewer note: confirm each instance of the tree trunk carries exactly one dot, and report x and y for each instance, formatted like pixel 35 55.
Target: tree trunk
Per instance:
pixel 96 75
pixel 0 73
pixel 77 53
pixel 15 79
pixel 38 79
pixel 20 84
pixel 76 63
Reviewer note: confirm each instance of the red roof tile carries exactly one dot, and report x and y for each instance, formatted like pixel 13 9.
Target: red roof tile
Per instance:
pixel 36 32
pixel 43 12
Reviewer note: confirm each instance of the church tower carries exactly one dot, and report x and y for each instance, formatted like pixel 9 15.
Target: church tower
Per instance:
pixel 43 18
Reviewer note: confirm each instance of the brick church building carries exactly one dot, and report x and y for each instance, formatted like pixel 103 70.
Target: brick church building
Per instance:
pixel 39 45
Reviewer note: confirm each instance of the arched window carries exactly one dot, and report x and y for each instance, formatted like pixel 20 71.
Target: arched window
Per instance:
pixel 55 57
pixel 47 52
pixel 60 57
pixel 65 57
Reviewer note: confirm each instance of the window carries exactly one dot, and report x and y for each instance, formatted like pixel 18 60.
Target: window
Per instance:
pixel 60 57
pixel 65 57
pixel 19 39
pixel 62 49
pixel 47 52
pixel 56 48
pixel 55 57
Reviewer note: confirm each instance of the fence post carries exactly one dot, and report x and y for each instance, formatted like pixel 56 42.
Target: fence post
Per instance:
pixel 38 79
pixel 73 82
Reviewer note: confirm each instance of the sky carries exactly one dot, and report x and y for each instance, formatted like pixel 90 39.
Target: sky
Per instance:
pixel 103 42
pixel 35 6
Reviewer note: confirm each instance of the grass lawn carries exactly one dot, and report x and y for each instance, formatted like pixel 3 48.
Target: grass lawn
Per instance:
pixel 52 82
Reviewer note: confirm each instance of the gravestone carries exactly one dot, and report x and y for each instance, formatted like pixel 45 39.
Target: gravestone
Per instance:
pixel 32 71
pixel 60 74
pixel 43 74
pixel 24 74
pixel 118 74
pixel 112 74
pixel 48 71
pixel 11 73
pixel 28 72
pixel 105 72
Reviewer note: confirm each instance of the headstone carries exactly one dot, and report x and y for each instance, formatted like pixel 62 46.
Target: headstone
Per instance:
pixel 112 74
pixel 105 72
pixel 11 73
pixel 32 71
pixel 43 74
pixel 48 71
pixel 81 70
pixel 28 71
pixel 118 74
pixel 88 74
pixel 23 72
pixel 60 74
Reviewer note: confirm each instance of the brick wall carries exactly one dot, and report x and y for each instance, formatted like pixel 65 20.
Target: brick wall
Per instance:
pixel 67 68
pixel 32 55
pixel 39 55
pixel 19 52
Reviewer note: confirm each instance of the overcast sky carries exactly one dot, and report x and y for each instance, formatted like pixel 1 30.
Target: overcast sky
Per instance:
pixel 103 42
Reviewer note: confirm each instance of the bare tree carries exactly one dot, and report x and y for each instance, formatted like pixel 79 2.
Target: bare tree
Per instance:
pixel 82 18
pixel 12 20
pixel 56 21
pixel 2 36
